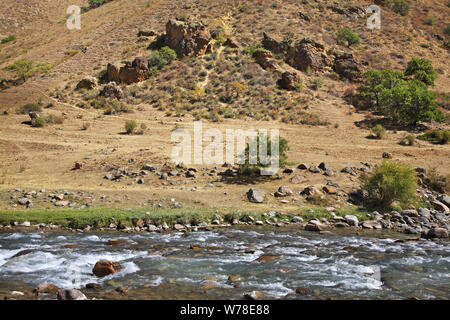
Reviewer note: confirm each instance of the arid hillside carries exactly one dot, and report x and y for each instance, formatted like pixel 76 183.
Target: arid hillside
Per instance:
pixel 222 76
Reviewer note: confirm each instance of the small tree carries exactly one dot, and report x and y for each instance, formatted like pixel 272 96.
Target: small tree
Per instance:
pixel 162 57
pixel 422 70
pixel 346 35
pixel 410 103
pixel 377 81
pixel 390 181
pixel 248 168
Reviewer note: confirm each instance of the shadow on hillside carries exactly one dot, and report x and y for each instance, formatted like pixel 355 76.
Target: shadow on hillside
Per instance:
pixel 370 122
pixel 245 179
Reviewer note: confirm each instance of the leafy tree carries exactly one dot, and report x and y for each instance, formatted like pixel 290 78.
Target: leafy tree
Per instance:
pixel 422 70
pixel 248 168
pixel 390 181
pixel 346 35
pixel 377 81
pixel 410 103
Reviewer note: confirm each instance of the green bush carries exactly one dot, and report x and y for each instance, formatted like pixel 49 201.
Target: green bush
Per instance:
pixel 379 131
pixel 401 7
pixel 404 100
pixel 130 126
pixel 115 107
pixel 162 57
pixel 436 136
pixel 345 35
pixel 390 181
pixel 422 70
pixel 8 39
pixel 430 20
pixel 247 168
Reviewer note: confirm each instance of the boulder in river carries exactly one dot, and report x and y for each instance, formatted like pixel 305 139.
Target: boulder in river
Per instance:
pixel 71 294
pixel 105 267
pixel 46 288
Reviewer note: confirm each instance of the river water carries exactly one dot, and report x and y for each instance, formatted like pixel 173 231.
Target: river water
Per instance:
pixel 197 265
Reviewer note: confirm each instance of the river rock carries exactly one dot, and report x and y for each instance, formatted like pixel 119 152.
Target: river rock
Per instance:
pixel 283 191
pixel 298 178
pixel 437 233
pixel 410 213
pixel 313 225
pixel 254 295
pixel 71 294
pixel 255 195
pixel 330 190
pixel 445 199
pixel 439 206
pixel 310 191
pixel 105 267
pixel 351 220
pixel 46 288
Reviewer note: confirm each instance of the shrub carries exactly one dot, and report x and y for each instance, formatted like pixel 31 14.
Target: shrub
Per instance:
pixel 345 35
pixel 162 57
pixel 390 181
pixel 38 122
pixel 422 70
pixel 447 30
pixel 430 20
pixel 408 140
pixel 401 7
pixel 379 131
pixel 53 119
pixel 115 107
pixel 8 39
pixel 247 168
pixel 436 136
pixel 130 126
pixel 317 83
pixel 30 107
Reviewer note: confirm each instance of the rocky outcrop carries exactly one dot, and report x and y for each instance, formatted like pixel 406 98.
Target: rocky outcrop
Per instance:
pixel 188 38
pixel 88 83
pixel 277 47
pixel 265 59
pixel 308 54
pixel 131 72
pixel 289 81
pixel 112 90
pixel 347 67
pixel 105 267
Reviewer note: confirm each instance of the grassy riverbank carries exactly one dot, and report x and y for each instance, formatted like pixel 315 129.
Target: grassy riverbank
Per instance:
pixel 102 217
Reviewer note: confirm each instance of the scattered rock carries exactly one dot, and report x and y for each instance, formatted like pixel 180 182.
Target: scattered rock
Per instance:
pixel 330 190
pixel 387 155
pixel 437 233
pixel 112 90
pixel 255 195
pixel 71 294
pixel 46 288
pixel 283 191
pixel 298 178
pixel 105 267
pixel 289 81
pixel 254 295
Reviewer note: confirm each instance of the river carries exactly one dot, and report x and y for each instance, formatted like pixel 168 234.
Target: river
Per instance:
pixel 198 265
